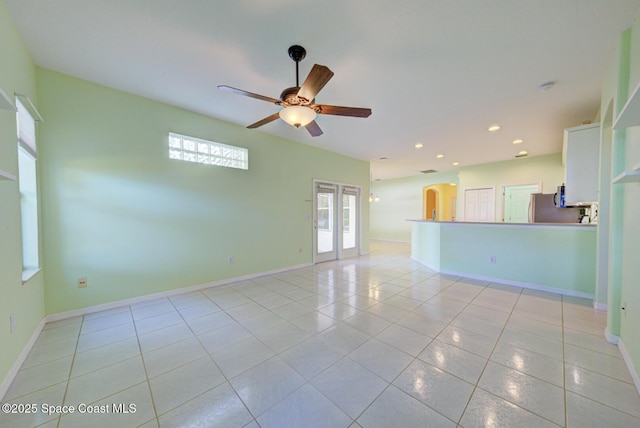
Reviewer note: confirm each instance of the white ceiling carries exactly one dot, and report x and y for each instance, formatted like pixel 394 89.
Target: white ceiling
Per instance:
pixel 435 72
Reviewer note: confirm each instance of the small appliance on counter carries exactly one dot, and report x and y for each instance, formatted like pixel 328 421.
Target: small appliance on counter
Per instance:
pixel 559 197
pixel 543 209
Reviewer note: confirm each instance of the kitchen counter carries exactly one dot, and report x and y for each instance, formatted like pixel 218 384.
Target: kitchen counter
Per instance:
pixel 510 224
pixel 555 257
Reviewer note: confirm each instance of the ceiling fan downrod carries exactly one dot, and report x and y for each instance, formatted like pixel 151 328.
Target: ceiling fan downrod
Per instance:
pixel 297 53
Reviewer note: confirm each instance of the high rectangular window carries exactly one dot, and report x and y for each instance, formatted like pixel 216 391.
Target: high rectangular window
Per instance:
pixel 193 149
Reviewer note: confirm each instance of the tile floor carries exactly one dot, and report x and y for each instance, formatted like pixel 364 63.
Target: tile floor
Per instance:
pixel 377 341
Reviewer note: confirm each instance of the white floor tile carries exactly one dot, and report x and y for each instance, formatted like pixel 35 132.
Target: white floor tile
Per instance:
pixel 219 407
pixel 382 359
pixel 311 357
pixel 307 408
pixel 42 376
pixel 611 392
pixel 172 356
pixel 350 386
pixel 98 358
pixel 263 386
pixel 529 362
pixel 185 383
pixel 275 348
pixel 242 356
pixel 458 362
pixel 488 410
pixel 585 413
pixel 404 339
pixel 396 408
pixel 104 382
pixel 539 397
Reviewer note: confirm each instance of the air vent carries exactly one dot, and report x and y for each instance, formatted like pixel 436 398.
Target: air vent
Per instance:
pixel 428 171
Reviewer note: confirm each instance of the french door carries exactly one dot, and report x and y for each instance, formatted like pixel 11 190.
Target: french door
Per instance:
pixel 336 222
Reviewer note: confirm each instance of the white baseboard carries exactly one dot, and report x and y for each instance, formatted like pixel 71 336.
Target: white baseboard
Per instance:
pixel 600 306
pixel 611 338
pixel 427 265
pixel 522 284
pixel 629 363
pixel 133 300
pixel 6 382
pixel 390 240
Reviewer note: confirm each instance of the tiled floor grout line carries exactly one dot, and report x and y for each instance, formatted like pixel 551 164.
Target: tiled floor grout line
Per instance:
pixel 226 380
pixel 394 273
pixel 75 351
pixel 146 373
pixel 476 386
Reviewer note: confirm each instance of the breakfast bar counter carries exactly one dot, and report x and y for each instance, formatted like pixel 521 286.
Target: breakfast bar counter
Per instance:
pixel 555 257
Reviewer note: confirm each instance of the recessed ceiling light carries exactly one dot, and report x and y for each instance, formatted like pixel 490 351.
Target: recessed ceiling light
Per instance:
pixel 522 152
pixel 383 158
pixel 419 146
pixel 518 141
pixel 440 156
pixel 494 128
pixel 456 163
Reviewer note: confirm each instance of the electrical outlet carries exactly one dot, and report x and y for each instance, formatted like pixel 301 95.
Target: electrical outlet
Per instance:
pixel 82 282
pixel 492 260
pixel 12 323
pixel 230 260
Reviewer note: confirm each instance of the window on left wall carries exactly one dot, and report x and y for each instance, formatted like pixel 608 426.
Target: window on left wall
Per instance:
pixel 28 183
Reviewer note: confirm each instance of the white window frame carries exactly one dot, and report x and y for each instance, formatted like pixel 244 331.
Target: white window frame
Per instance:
pixel 197 150
pixel 26 118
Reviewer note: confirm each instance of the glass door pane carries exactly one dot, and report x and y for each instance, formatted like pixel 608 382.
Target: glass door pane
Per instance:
pixel 326 223
pixel 349 222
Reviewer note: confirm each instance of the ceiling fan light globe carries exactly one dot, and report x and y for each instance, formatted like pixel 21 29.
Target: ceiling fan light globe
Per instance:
pixel 297 115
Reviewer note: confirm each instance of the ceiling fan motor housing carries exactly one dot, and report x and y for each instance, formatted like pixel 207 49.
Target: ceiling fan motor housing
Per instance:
pixel 290 96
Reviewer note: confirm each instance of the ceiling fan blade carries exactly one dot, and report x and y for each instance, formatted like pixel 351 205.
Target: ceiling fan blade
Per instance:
pixel 314 129
pixel 248 94
pixel 342 111
pixel 264 121
pixel 317 78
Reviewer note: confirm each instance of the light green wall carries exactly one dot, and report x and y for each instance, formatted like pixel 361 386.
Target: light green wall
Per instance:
pixel 26 302
pixel 547 170
pixel 401 198
pixel 629 229
pixel 558 257
pixel 120 212
pixel 425 243
pixel 611 202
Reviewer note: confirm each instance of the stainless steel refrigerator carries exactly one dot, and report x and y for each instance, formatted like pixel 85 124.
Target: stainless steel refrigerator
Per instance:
pixel 543 210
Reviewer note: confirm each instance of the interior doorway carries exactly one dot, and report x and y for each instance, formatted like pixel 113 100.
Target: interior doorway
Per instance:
pixel 431 210
pixel 438 202
pixel 336 221
pixel 515 202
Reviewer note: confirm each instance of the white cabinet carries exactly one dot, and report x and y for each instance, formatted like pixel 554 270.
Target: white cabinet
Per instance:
pixel 580 156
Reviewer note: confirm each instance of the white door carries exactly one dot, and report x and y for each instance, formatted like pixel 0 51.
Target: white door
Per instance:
pixel 337 221
pixel 479 204
pixel 516 202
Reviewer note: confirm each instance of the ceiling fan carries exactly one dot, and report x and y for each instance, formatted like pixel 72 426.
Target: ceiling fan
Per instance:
pixel 298 101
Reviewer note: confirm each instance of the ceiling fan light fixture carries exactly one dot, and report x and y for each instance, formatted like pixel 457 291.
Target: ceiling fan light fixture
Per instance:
pixel 297 115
